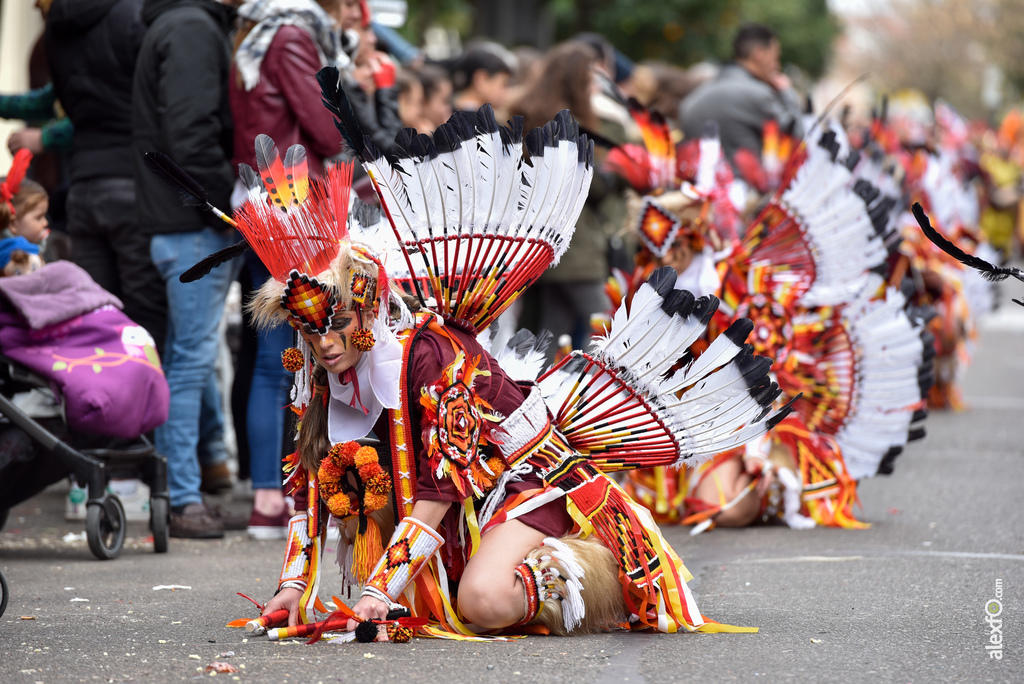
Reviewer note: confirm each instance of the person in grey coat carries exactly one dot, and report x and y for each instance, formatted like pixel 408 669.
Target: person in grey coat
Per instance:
pixel 747 92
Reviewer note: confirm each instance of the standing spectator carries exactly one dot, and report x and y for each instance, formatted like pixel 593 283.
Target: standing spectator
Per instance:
pixel 92 46
pixel 481 76
pixel 180 107
pixel 370 86
pixel 280 47
pixel 567 295
pixel 437 95
pixel 410 99
pixel 747 93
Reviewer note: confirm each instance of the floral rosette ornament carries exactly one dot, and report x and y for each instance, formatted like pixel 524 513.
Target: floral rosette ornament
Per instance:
pixel 461 430
pixel 372 485
pixel 773 333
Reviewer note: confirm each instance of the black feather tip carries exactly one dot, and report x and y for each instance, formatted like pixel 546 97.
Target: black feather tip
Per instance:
pixel 988 271
pixel 213 261
pixel 334 98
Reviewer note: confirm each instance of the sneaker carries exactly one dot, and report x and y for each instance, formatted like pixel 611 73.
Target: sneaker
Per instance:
pixel 230 521
pixel 195 522
pixel 263 527
pixel 74 505
pixel 216 479
pixel 135 499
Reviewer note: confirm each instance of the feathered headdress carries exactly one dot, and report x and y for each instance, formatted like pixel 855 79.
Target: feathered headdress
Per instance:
pixel 479 210
pixel 677 184
pixel 9 188
pixel 299 230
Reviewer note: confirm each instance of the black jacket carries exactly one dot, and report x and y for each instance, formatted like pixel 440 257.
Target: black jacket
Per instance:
pixel 91 46
pixel 180 107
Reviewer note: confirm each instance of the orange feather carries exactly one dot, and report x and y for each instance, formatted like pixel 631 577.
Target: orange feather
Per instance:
pixel 272 173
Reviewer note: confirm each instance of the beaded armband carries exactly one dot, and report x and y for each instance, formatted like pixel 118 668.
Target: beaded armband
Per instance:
pixel 295 570
pixel 412 546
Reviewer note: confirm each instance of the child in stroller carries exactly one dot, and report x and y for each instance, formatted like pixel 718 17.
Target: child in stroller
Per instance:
pixel 60 332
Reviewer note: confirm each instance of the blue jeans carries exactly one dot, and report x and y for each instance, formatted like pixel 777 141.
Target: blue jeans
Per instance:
pixel 193 317
pixel 268 396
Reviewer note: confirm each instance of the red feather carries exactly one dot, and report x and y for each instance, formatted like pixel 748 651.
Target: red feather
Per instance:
pixel 12 184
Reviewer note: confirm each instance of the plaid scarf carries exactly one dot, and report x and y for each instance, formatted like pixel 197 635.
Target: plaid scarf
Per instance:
pixel 269 16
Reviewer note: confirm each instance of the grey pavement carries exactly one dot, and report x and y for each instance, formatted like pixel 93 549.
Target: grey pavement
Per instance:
pixel 900 602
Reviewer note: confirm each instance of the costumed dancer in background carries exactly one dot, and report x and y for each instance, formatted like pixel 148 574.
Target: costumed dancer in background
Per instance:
pixel 925 274
pixel 802 275
pixel 484 476
pixel 684 215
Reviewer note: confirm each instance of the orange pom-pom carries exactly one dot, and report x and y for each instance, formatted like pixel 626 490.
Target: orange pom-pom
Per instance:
pixel 379 483
pixel 374 502
pixel 330 470
pixel 365 456
pixel 348 452
pixel 328 489
pixel 362 339
pixel 339 505
pixel 292 360
pixel 399 634
pixel 496 465
pixel 369 471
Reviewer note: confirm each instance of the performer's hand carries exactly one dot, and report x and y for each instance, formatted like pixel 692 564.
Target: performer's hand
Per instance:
pixel 287 599
pixel 369 608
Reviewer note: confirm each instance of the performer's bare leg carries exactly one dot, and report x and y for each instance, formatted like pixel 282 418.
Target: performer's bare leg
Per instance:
pixel 729 479
pixel 490 594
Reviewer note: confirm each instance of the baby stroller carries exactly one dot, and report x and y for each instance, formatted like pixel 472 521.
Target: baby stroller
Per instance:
pixel 63 337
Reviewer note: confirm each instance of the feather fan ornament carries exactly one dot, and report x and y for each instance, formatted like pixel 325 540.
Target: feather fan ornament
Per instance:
pixel 860 371
pixel 816 234
pixel 640 400
pixel 478 220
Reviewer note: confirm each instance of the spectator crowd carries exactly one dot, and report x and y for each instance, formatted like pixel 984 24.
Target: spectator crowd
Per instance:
pixel 198 80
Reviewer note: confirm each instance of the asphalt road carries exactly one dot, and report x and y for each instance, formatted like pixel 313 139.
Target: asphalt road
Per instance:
pixel 903 601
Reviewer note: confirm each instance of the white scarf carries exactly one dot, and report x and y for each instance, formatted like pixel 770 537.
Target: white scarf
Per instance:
pixel 269 16
pixel 378 373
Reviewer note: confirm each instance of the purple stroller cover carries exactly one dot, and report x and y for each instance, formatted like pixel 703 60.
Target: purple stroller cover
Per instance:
pixel 101 363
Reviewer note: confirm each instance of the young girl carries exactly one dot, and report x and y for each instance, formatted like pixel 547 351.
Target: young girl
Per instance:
pixel 23 203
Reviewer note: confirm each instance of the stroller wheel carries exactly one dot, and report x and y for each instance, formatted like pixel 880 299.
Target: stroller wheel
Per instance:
pixel 3 594
pixel 159 522
pixel 105 531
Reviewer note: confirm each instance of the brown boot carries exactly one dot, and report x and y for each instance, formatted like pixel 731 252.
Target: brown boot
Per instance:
pixel 230 521
pixel 216 478
pixel 195 522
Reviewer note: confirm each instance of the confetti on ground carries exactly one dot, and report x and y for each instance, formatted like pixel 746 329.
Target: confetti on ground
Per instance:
pixel 218 666
pixel 815 641
pixel 79 600
pixel 73 537
pixel 194 657
pixel 226 654
pixel 172 587
pixel 28 617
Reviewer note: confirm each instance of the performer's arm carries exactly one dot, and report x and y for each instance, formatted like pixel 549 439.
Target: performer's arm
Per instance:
pixel 430 512
pixel 424 541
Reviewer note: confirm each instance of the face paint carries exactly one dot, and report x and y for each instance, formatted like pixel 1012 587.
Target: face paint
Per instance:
pixel 333 350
